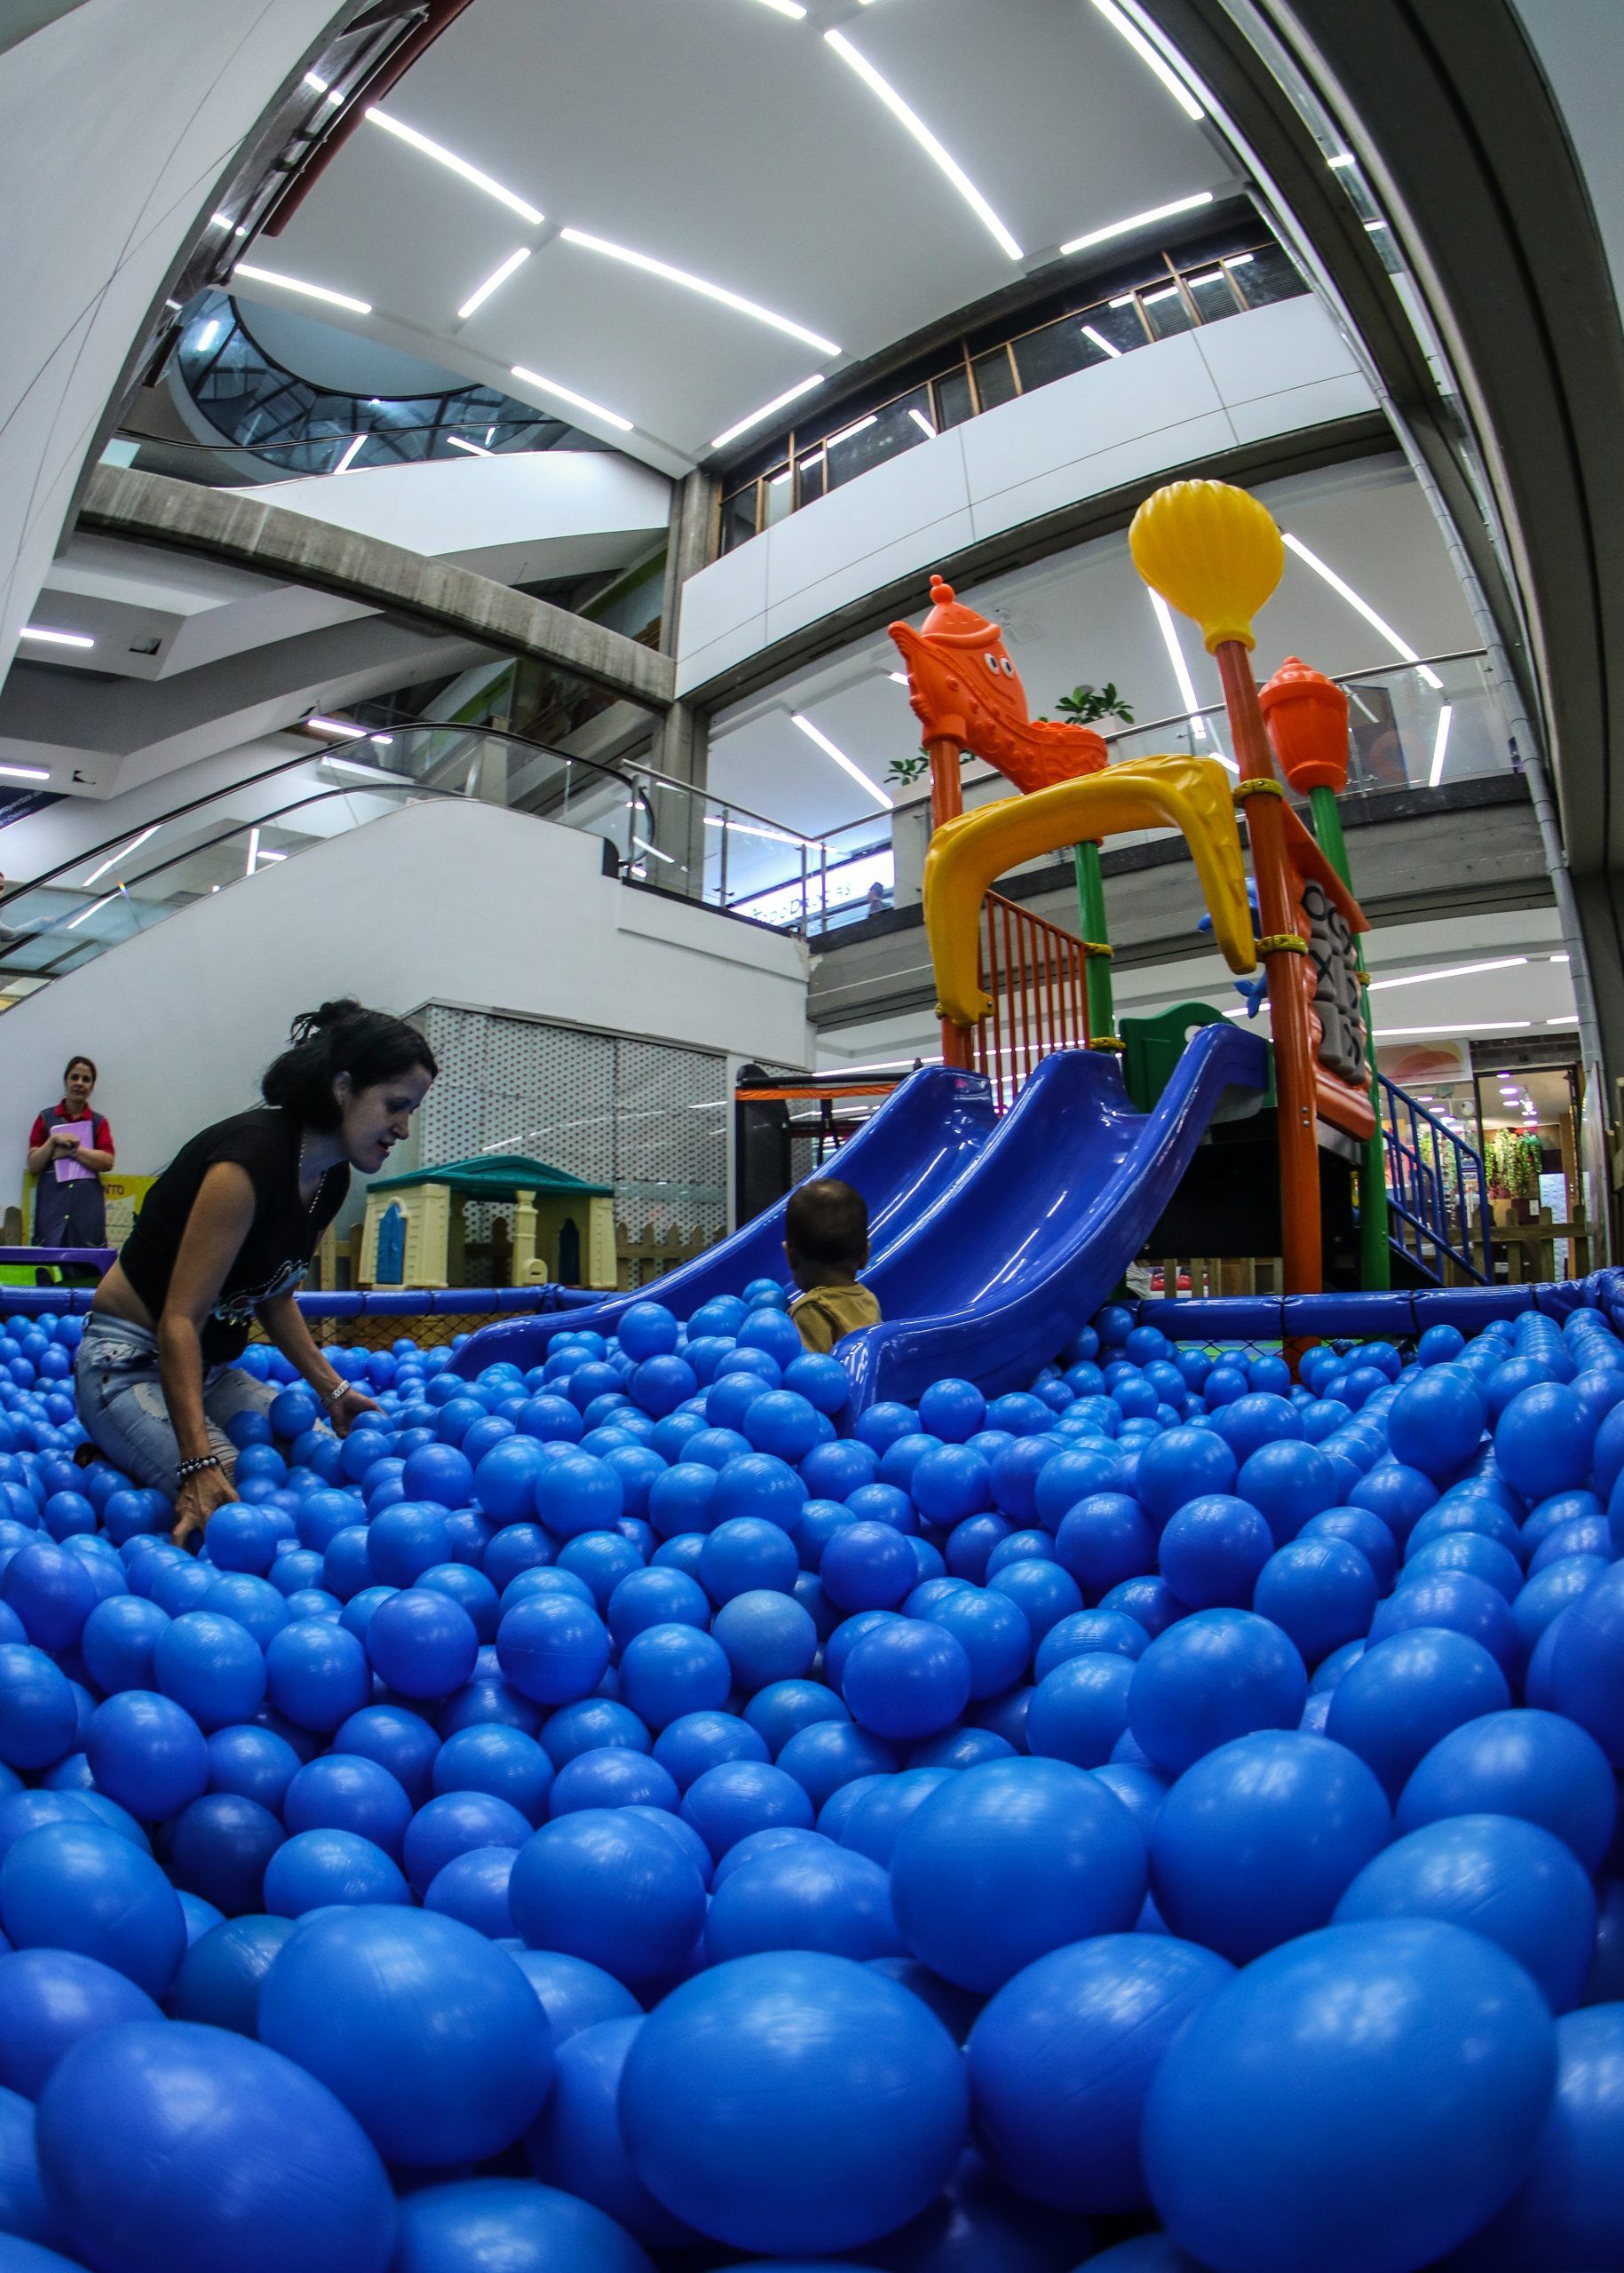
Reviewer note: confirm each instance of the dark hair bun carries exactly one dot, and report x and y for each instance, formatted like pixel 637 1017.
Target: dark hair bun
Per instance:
pixel 342 1037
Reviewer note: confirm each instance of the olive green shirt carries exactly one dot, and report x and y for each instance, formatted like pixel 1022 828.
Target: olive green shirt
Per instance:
pixel 825 1314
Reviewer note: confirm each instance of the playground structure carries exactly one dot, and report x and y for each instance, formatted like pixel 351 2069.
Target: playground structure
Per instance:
pixel 1009 1189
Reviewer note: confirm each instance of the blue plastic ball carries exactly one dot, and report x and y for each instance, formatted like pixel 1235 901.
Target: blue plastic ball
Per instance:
pixel 1503 1877
pixel 1218 1675
pixel 305 2189
pixel 1213 1548
pixel 219 1847
pixel 1011 1860
pixel 821 2104
pixel 221 1975
pixel 727 1803
pixel 50 2000
pixel 907 1680
pixel 1404 1694
pixel 1321 1592
pixel 1278 2133
pixel 513 2223
pixel 147 1752
pixel 803 1897
pixel 1061 2061
pixel 429 2036
pixel 80 1886
pixel 552 1647
pixel 611 1888
pixel 317 1868
pixel 1534 1765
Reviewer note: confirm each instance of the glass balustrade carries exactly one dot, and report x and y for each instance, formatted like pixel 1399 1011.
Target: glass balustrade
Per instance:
pixel 1430 724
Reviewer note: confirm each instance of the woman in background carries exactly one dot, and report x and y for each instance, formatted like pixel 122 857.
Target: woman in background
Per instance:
pixel 224 1236
pixel 70 1150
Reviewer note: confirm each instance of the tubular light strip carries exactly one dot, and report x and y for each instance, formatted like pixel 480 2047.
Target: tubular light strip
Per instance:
pixel 567 395
pixel 1455 971
pixel 1102 343
pixel 298 284
pixel 55 638
pixel 848 765
pixel 926 140
pixel 357 444
pixel 1362 607
pixel 26 773
pixel 1186 684
pixel 474 449
pixel 123 852
pixel 444 157
pixel 84 914
pixel 1441 745
pixel 1120 21
pixel 492 282
pixel 779 402
pixel 692 283
pixel 1138 221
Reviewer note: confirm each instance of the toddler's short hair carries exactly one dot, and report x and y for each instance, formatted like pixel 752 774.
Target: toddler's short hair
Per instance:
pixel 828 1221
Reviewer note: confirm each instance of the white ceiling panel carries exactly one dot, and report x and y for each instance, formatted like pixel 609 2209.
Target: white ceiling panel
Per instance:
pixel 724 139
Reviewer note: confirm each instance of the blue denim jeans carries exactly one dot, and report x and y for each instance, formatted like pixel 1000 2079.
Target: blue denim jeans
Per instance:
pixel 120 1402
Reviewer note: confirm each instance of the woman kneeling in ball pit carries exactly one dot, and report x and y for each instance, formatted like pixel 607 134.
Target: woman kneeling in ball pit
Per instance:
pixel 224 1236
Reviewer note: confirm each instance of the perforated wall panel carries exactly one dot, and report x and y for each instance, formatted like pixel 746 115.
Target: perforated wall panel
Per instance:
pixel 649 1119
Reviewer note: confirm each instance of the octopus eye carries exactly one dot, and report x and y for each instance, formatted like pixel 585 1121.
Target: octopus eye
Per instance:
pixel 991 664
pixel 1008 667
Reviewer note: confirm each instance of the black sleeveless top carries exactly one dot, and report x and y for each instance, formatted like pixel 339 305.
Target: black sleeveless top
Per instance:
pixel 282 1239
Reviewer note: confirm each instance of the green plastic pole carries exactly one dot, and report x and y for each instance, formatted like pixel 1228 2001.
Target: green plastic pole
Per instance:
pixel 1375 1255
pixel 1091 914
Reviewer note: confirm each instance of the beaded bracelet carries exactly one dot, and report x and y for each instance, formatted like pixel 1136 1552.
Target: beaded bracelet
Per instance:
pixel 190 1467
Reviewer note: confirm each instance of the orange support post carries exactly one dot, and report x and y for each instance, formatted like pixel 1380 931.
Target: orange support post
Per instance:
pixel 947 804
pixel 1281 947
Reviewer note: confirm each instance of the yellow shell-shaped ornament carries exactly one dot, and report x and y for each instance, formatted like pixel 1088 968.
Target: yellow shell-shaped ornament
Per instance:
pixel 1212 551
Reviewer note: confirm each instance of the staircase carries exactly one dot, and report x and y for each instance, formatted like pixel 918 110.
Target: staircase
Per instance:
pixel 1437 1196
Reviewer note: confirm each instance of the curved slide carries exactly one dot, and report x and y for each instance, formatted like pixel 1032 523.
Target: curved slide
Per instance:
pixel 993 1243
pixel 994 1280
pixel 917 1145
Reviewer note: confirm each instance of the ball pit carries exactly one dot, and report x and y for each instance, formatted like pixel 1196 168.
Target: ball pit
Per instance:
pixel 636 1769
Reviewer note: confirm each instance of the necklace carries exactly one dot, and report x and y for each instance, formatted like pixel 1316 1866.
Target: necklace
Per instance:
pixel 309 1204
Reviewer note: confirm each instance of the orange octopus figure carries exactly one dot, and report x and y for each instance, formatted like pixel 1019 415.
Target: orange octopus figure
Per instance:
pixel 963 688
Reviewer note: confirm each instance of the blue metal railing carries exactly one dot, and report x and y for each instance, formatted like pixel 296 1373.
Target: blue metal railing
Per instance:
pixel 1437 1185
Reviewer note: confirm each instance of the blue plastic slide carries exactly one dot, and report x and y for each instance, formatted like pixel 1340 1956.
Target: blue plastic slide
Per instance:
pixel 996 1278
pixel 917 1145
pixel 994 1242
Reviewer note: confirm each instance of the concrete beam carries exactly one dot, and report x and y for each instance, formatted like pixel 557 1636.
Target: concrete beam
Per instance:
pixel 226 526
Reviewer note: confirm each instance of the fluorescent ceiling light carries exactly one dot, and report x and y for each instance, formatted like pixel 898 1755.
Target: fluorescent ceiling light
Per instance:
pixel 779 479
pixel 1571 1019
pixel 644 845
pixel 474 449
pixel 55 638
pixel 1138 220
pixel 342 727
pixel 497 277
pixel 567 395
pixel 1558 958
pixel 926 140
pixel 444 157
pixel 848 765
pixel 692 283
pixel 847 434
pixel 1445 713
pixel 297 284
pixel 1362 607
pixel 1151 56
pixel 1342 158
pixel 791 8
pixel 1455 971
pixel 323 87
pixel 922 421
pixel 94 908
pixel 26 773
pixel 1102 343
pixel 356 445
pixel 1486 1025
pixel 1238 260
pixel 123 852
pixel 779 402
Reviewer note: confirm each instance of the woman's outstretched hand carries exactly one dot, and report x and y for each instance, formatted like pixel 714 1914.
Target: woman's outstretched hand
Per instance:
pixel 345 1410
pixel 196 1501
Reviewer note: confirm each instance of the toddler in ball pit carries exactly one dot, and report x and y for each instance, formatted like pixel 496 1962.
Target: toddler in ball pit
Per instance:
pixel 825 1239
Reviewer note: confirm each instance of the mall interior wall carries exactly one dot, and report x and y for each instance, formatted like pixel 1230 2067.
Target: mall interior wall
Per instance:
pixel 449 902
